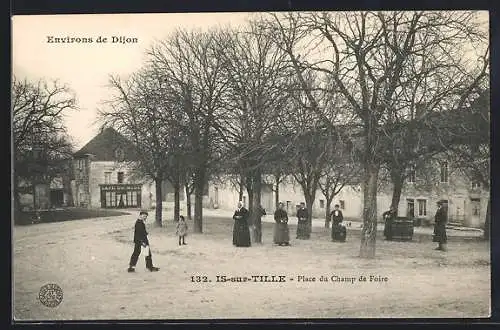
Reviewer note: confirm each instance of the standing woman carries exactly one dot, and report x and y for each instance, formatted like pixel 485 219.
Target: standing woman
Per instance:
pixel 440 220
pixel 281 232
pixel 388 217
pixel 339 232
pixel 241 232
pixel 302 227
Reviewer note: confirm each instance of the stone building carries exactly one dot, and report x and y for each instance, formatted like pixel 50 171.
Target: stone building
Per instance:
pixel 47 191
pixel 103 177
pixel 467 200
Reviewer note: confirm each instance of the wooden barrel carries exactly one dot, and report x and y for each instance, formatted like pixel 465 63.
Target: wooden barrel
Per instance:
pixel 402 229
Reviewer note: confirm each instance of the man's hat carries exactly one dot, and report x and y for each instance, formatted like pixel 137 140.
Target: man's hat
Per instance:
pixel 143 212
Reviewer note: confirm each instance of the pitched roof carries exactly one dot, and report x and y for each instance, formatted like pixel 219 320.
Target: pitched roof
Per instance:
pixel 105 144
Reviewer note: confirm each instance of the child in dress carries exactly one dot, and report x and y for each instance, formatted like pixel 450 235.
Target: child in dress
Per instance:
pixel 182 228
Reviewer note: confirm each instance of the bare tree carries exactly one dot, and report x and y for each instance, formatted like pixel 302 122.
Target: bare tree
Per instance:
pixel 189 190
pixel 141 110
pixel 413 131
pixel 472 156
pixel 256 72
pixel 366 54
pixel 340 172
pixel 192 63
pixel 37 127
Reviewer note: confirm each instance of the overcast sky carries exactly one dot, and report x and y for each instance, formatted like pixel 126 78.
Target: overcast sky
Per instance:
pixel 85 67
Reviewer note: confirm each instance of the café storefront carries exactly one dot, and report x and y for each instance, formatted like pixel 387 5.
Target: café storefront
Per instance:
pixel 120 195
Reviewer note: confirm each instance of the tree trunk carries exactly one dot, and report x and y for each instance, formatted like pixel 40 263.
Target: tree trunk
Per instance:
pixel 240 192
pixel 309 195
pixel 487 222
pixel 397 179
pixel 177 200
pixel 328 211
pixel 199 184
pixel 188 200
pixel 159 206
pixel 250 191
pixel 369 233
pixel 33 187
pixel 255 213
pixel 67 188
pixel 277 191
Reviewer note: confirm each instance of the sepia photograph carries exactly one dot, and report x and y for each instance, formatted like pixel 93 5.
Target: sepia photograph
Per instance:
pixel 251 165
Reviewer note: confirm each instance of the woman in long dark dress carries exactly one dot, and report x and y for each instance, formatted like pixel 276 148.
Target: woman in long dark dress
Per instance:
pixel 241 232
pixel 388 217
pixel 302 228
pixel 440 220
pixel 281 232
pixel 339 232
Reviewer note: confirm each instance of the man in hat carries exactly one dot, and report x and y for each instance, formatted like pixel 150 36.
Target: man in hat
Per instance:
pixel 141 242
pixel 440 220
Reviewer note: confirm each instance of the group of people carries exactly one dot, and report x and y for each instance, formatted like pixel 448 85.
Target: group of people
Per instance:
pixel 281 234
pixel 440 219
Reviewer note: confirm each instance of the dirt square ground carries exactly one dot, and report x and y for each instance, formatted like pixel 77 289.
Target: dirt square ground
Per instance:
pixel 88 260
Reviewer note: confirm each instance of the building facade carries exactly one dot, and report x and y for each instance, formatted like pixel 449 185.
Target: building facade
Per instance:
pixel 467 200
pixel 103 176
pixel 55 192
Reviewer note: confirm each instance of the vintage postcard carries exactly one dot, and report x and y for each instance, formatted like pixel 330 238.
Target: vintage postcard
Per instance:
pixel 312 165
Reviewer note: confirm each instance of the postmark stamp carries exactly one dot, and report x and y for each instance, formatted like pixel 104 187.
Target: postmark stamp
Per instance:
pixel 50 295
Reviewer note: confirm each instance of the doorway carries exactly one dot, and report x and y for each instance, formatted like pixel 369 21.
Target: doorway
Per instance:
pixel 410 208
pixel 475 210
pixel 56 197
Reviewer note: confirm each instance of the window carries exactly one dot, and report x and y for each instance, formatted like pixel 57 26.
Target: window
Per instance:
pixel 475 211
pixel 244 200
pixel 342 205
pixel 111 198
pixel 412 174
pixel 216 195
pixel 422 207
pixel 119 154
pixel 444 172
pixel 120 177
pixel 321 203
pixel 476 184
pixel 81 163
pixel 107 177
